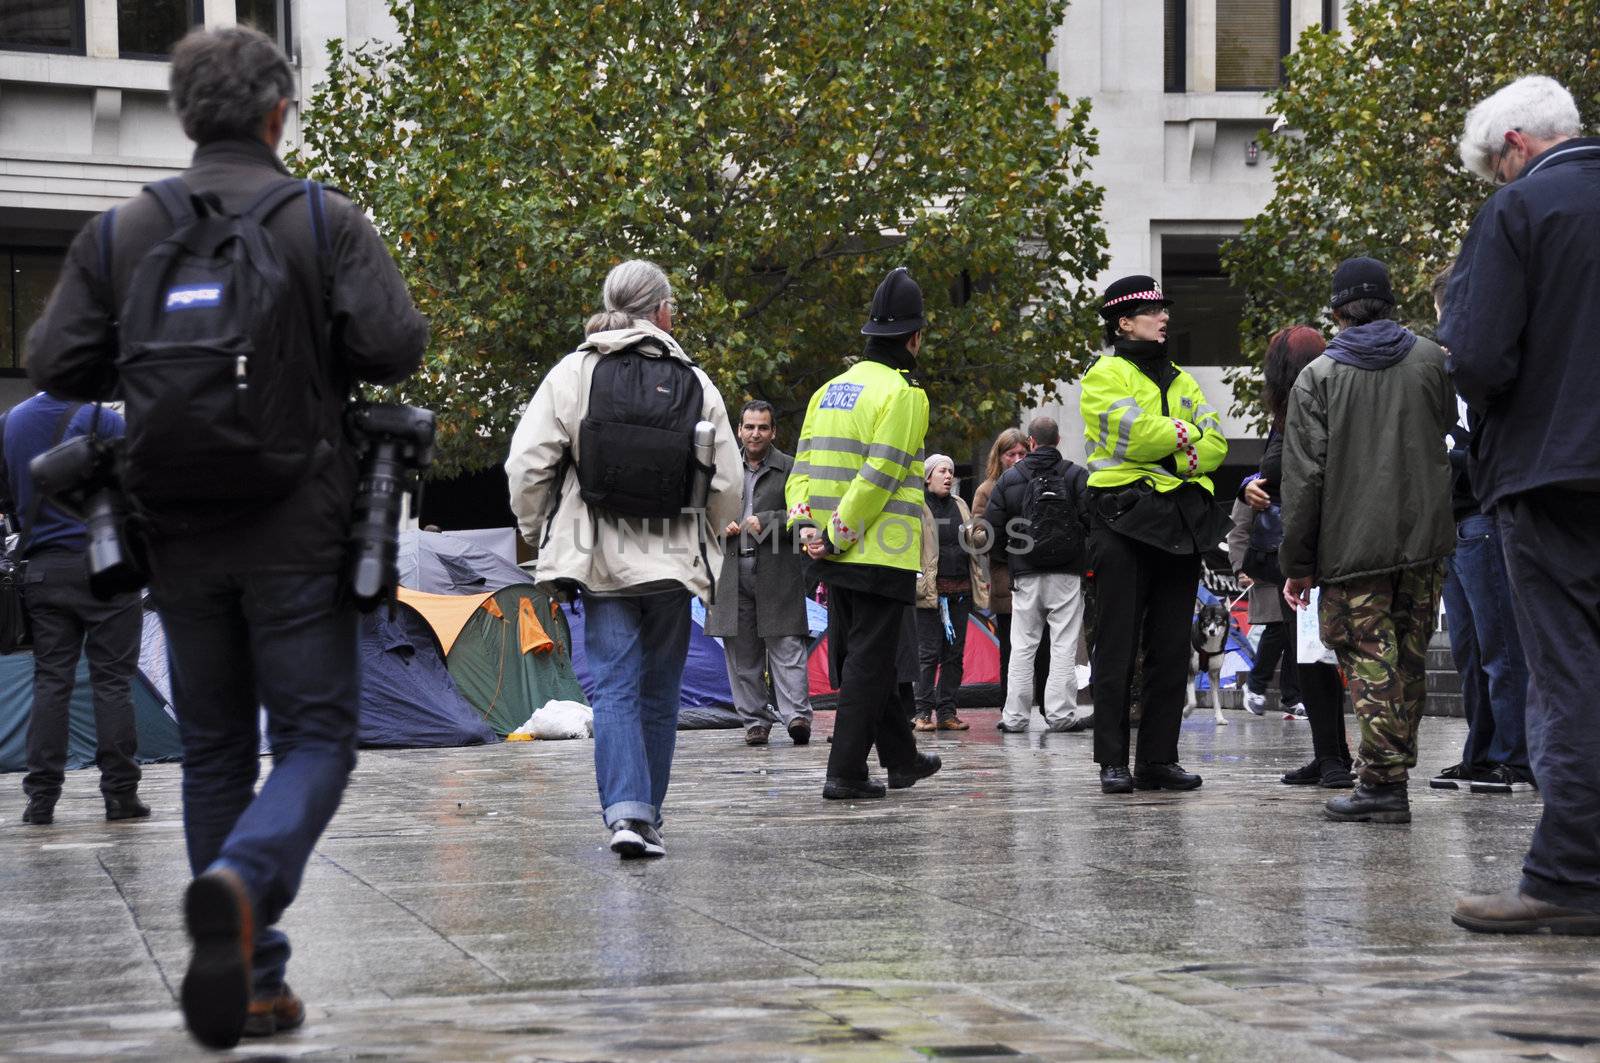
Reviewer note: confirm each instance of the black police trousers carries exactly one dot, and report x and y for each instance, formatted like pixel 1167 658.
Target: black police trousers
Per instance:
pixel 864 632
pixel 1144 598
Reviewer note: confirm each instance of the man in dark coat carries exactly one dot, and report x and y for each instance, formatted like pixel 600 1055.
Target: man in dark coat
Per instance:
pixel 254 602
pixel 760 613
pixel 1521 317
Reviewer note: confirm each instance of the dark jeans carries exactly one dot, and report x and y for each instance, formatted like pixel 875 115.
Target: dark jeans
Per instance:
pixel 1145 601
pixel 864 632
pixel 1486 647
pixel 69 621
pixel 1277 643
pixel 940 663
pixel 1552 549
pixel 1323 691
pixel 288 642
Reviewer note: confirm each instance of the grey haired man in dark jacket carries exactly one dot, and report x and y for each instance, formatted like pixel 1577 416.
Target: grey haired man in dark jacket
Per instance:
pixel 1521 317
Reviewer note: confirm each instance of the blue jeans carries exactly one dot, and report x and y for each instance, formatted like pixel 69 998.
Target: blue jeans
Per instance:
pixel 637 647
pixel 1498 736
pixel 286 641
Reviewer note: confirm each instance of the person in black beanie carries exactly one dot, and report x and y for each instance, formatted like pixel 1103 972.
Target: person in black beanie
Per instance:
pixel 1152 441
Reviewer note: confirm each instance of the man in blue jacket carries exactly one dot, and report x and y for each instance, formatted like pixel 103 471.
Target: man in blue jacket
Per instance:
pixel 1521 317
pixel 68 620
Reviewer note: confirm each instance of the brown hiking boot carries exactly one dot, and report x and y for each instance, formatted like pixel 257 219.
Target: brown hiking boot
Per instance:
pixel 1514 912
pixel 953 723
pixel 922 723
pixel 274 1013
pixel 756 735
pixel 216 989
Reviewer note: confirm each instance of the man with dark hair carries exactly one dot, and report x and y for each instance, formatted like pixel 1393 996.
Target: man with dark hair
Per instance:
pixel 1046 585
pixel 252 598
pixel 68 620
pixel 1520 319
pixel 1379 565
pixel 763 626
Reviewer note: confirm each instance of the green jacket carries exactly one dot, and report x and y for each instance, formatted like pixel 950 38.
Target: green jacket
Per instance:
pixel 1136 430
pixel 858 468
pixel 1366 476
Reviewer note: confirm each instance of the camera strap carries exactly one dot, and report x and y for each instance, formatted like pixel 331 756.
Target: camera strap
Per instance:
pixel 34 498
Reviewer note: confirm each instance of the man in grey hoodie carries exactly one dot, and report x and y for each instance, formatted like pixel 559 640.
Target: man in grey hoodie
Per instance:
pixel 1366 516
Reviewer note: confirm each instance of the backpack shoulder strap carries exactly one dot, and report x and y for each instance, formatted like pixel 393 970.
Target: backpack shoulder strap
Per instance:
pixel 275 196
pixel 176 199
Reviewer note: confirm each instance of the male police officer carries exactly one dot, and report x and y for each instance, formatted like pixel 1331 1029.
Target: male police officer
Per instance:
pixel 254 606
pixel 856 496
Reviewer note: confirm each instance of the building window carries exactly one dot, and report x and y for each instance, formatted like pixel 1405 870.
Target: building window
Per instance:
pixel 1176 46
pixel 1252 39
pixel 1330 15
pixel 30 278
pixel 269 16
pixel 42 25
pixel 147 29
pixel 1207 308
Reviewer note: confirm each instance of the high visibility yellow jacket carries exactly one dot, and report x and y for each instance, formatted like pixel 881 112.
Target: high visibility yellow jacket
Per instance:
pixel 858 467
pixel 1136 430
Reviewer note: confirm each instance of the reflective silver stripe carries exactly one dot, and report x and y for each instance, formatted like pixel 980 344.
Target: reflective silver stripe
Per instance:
pixel 913 481
pixel 877 478
pixel 1205 411
pixel 894 505
pixel 1103 463
pixel 894 454
pixel 1125 428
pixel 832 472
pixel 849 446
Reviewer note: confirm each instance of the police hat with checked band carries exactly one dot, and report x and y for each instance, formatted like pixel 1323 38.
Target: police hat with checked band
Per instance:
pixel 1125 294
pixel 896 306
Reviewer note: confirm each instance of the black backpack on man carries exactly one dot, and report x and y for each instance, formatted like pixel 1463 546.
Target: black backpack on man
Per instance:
pixel 1054 519
pixel 636 440
pixel 223 410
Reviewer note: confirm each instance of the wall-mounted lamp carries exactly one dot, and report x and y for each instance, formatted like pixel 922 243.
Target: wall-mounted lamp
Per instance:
pixel 1252 153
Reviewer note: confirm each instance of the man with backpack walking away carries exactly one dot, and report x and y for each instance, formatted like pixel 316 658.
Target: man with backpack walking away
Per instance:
pixel 623 474
pixel 232 309
pixel 855 499
pixel 1036 518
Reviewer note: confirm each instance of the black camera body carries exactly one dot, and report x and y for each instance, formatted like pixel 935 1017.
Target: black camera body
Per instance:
pixel 81 476
pixel 395 443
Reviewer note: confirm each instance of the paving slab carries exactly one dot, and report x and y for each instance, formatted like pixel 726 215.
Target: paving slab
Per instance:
pixel 464 906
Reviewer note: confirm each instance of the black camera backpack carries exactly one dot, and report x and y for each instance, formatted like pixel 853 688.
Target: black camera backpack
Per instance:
pixel 636 440
pixel 1054 521
pixel 224 402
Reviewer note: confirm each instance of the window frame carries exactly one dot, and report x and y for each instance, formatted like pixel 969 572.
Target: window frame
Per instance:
pixel 1176 79
pixel 1285 43
pixel 197 17
pixel 8 253
pixel 285 35
pixel 79 36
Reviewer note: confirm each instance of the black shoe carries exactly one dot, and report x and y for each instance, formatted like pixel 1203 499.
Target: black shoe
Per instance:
pixel 1005 728
pixel 1165 777
pixel 216 989
pixel 1501 779
pixel 1451 778
pixel 1336 775
pixel 633 838
pixel 800 731
pixel 1115 781
pixel 1081 723
pixel 756 734
pixel 1307 775
pixel 126 806
pixel 41 811
pixel 926 765
pixel 1383 803
pixel 836 789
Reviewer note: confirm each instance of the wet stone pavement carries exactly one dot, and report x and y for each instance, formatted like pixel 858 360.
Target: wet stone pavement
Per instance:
pixel 463 906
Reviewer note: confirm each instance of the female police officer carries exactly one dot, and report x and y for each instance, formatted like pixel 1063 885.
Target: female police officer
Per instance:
pixel 1151 439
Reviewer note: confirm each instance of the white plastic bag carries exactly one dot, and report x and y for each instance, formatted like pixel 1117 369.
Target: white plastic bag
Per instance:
pixel 559 719
pixel 1308 645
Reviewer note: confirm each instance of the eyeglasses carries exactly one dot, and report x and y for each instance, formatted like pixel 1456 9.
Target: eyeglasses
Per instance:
pixel 1498 160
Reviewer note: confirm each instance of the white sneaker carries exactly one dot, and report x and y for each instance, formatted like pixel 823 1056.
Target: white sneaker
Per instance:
pixel 632 838
pixel 1256 703
pixel 1296 711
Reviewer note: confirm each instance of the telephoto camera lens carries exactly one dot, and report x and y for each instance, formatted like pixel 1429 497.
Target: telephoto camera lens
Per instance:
pixel 398 445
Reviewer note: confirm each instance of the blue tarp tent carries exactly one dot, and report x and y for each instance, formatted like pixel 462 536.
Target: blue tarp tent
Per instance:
pixel 157 728
pixel 408 699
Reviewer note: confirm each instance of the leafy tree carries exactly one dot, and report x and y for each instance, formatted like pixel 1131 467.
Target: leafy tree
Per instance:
pixel 1369 164
pixel 777 159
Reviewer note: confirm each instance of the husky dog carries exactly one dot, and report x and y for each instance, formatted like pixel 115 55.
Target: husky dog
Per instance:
pixel 1208 639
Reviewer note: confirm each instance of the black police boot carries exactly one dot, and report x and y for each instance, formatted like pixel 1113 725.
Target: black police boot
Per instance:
pixel 1165 777
pixel 1115 780
pixel 1381 803
pixel 836 789
pixel 925 765
pixel 125 806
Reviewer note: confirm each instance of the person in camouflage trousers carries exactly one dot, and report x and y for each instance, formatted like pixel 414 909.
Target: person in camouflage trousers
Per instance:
pixel 1367 517
pixel 1379 627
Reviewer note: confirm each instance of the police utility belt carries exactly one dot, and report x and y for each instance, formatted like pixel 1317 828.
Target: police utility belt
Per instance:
pixel 1185 520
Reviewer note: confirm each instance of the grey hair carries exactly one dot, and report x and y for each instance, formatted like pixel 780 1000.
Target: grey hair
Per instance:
pixel 225 81
pixel 633 290
pixel 1537 105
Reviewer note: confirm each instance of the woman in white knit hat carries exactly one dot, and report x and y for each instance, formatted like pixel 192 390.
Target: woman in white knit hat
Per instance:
pixel 950 584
